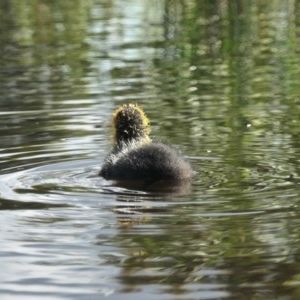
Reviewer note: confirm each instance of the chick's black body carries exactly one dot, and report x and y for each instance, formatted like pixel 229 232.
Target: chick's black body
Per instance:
pixel 149 162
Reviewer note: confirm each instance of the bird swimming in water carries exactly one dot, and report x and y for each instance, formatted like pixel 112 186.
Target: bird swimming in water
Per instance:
pixel 134 157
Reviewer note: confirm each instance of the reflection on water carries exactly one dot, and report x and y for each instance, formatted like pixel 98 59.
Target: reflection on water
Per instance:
pixel 220 79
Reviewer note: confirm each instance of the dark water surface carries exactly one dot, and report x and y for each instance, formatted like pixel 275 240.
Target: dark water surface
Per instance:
pixel 219 79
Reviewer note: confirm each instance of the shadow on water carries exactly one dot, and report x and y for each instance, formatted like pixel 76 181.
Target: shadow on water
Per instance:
pixel 12 205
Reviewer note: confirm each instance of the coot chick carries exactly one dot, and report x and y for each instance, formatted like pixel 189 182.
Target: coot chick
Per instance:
pixel 134 157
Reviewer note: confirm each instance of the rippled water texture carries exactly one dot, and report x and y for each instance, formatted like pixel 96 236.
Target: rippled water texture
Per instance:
pixel 219 80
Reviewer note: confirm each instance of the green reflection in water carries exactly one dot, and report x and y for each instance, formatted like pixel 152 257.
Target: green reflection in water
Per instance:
pixel 219 79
